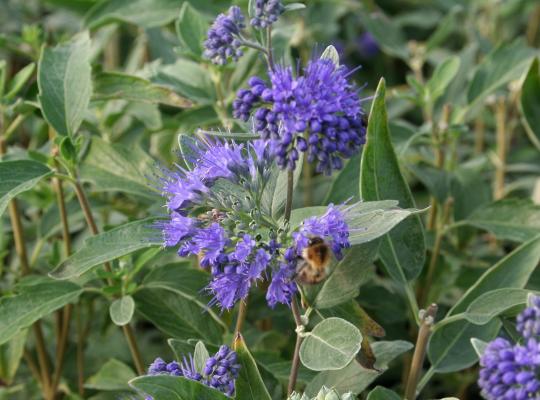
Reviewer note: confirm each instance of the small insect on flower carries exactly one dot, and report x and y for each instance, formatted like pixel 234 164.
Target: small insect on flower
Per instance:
pixel 313 264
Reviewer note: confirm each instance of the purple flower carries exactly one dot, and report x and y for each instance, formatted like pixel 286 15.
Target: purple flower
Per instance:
pixel 509 371
pixel 367 45
pixel 243 248
pixel 221 370
pixel 223 40
pixel 229 286
pixel 282 288
pixel 157 367
pixel 318 113
pixel 528 321
pixel 177 228
pixel 331 227
pixel 266 12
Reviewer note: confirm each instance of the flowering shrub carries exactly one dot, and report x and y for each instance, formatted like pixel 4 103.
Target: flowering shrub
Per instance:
pixel 318 200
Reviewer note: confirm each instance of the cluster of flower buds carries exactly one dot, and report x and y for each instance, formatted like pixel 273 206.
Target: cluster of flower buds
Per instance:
pixel 512 371
pixel 223 40
pixel 266 13
pixel 220 370
pixel 318 113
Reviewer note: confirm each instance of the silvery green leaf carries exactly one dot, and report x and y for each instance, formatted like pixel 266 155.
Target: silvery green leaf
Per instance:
pixel 331 345
pixel 479 346
pixel 331 53
pixel 200 355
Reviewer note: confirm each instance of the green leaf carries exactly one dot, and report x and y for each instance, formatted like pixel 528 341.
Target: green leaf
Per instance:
pixel 188 149
pixel 146 13
pixel 387 34
pixel 449 347
pixel 344 282
pixel 10 356
pixel 436 180
pixel 18 81
pixel 530 103
pixel 200 355
pixel 121 310
pixel 331 345
pixel 445 28
pixel 442 77
pixel 115 85
pixel 189 79
pixel 171 298
pixel 249 384
pixel 167 387
pixel 115 167
pixel 331 54
pixel 34 302
pixel 402 250
pixel 479 346
pixel 113 375
pixel 381 393
pixel 492 304
pixel 294 6
pixel 346 183
pixel 505 63
pixel 510 219
pixel 17 177
pixel 191 29
pixel 274 195
pixel 354 377
pixel 65 84
pixel 107 246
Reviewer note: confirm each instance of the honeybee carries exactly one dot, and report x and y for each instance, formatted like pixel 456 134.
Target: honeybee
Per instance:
pixel 313 264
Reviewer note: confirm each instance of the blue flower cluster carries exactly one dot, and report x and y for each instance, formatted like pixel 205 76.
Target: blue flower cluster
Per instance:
pixel 318 112
pixel 223 40
pixel 220 370
pixel 266 12
pixel 223 239
pixel 512 371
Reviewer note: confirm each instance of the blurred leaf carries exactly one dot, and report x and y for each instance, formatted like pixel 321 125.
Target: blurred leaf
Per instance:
pixel 530 103
pixel 403 249
pixel 167 387
pixel 387 34
pixel 10 356
pixel 381 393
pixel 479 346
pixel 171 298
pixel 436 180
pixel 107 246
pixel 17 177
pixel 34 302
pixel 115 85
pixel 346 183
pixel 115 167
pixel 200 356
pixel 146 13
pixel 121 310
pixel 191 29
pixel 65 83
pixel 344 282
pixel 449 347
pixel 510 219
pixel 249 384
pixel 18 81
pixel 331 54
pixel 331 345
pixel 442 77
pixel 445 28
pixel 294 6
pixel 493 303
pixel 113 375
pixel 187 78
pixel 280 368
pixel 354 377
pixel 505 63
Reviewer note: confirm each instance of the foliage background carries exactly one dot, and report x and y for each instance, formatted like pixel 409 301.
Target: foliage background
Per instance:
pixel 462 96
